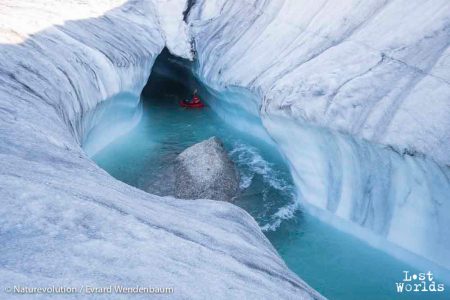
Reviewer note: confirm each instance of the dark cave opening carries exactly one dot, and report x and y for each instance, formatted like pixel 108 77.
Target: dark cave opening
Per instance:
pixel 171 78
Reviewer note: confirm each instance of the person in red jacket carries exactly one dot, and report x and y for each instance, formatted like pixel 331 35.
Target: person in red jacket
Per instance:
pixel 195 97
pixel 194 100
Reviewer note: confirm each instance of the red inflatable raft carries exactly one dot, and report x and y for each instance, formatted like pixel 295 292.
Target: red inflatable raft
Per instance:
pixel 191 105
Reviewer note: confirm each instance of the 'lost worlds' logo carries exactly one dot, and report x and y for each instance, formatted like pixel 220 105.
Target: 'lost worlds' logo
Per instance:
pixel 421 282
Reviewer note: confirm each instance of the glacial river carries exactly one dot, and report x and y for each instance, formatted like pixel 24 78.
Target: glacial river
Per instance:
pixel 335 263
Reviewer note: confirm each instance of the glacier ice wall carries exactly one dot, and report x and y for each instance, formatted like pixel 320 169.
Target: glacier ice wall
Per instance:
pixel 328 70
pixel 63 220
pixel 374 69
pixel 395 196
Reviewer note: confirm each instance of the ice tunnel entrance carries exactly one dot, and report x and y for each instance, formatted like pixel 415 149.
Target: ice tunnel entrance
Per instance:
pixel 160 129
pixel 145 156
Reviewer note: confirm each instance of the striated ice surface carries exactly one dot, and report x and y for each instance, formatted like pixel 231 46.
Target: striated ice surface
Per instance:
pixel 399 198
pixel 63 220
pixel 374 69
pixel 323 71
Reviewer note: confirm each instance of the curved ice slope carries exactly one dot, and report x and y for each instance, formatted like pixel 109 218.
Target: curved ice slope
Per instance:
pixel 109 120
pixel 378 70
pixel 400 198
pixel 63 220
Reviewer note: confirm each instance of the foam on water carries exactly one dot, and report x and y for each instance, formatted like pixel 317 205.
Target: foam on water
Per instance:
pixel 250 164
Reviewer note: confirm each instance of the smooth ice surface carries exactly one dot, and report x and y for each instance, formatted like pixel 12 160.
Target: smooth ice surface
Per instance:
pixel 111 119
pixel 320 70
pixel 65 221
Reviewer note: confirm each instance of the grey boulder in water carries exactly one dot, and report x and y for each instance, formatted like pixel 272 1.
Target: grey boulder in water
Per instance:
pixel 205 171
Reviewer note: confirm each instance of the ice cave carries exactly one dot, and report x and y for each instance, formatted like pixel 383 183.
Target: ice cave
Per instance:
pixel 335 114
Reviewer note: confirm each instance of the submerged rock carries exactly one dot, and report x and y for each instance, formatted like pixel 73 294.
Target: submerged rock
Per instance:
pixel 204 170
